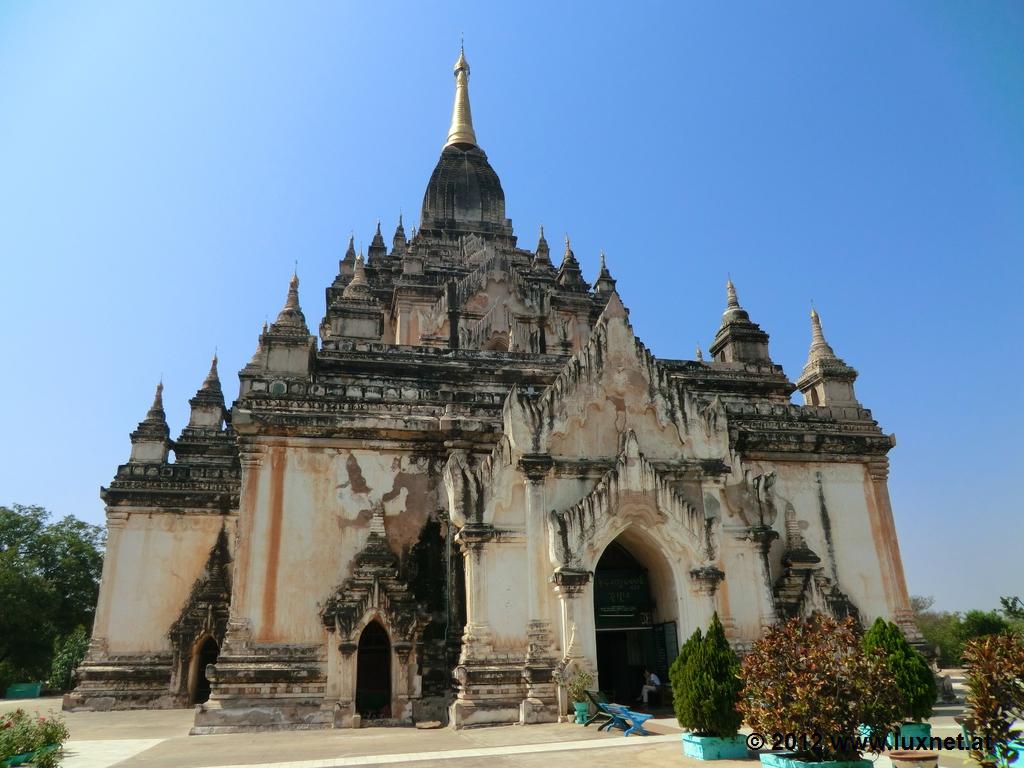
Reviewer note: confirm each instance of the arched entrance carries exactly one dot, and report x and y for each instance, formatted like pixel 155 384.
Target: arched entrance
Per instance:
pixel 205 652
pixel 373 673
pixel 634 618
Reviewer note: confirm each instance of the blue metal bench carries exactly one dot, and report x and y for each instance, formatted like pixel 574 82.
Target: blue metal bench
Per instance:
pixel 622 717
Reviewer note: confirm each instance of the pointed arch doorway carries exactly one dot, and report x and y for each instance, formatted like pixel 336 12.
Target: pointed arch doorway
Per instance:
pixel 205 653
pixel 635 617
pixel 373 673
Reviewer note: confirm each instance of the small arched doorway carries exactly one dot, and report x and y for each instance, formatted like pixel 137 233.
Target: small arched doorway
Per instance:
pixel 206 652
pixel 634 619
pixel 373 673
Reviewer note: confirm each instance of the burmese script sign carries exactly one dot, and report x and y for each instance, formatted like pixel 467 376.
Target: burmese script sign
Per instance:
pixel 622 599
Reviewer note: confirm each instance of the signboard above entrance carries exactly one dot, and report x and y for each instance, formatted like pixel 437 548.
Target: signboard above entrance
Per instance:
pixel 622 599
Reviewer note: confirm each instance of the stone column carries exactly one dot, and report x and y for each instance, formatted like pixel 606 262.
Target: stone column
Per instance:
pixel 541 702
pixel 883 530
pixel 345 715
pixel 707 578
pixel 569 586
pixel 763 536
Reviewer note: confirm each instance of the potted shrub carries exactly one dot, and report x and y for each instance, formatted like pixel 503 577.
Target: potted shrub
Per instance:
pixel 910 672
pixel 576 686
pixel 994 671
pixel 705 691
pixel 811 682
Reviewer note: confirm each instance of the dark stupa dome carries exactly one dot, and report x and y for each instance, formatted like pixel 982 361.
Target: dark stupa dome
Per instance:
pixel 464 194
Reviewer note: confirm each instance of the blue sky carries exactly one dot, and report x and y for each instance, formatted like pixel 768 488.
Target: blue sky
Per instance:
pixel 163 165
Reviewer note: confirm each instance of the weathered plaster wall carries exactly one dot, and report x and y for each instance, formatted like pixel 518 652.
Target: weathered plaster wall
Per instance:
pixel 309 517
pixel 152 561
pixel 833 503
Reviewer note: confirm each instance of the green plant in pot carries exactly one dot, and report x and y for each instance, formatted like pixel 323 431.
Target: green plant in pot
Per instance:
pixel 811 681
pixel 576 686
pixel 914 680
pixel 705 692
pixel 994 671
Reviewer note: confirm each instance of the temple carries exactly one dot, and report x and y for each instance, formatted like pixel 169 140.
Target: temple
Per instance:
pixel 474 477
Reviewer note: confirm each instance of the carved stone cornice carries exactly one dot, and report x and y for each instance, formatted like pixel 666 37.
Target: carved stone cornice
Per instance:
pixel 707 578
pixel 536 466
pixel 570 582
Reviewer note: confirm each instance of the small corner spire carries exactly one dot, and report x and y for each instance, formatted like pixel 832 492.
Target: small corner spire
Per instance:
pixel 730 292
pixel 700 354
pixel 820 348
pixel 156 410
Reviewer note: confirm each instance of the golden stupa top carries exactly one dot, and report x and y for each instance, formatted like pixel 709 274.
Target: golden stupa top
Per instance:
pixel 461 131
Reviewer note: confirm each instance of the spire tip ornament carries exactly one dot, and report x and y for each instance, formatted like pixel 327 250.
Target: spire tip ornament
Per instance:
pixel 461 130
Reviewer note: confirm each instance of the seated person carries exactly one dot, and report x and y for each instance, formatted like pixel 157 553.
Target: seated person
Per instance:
pixel 651 684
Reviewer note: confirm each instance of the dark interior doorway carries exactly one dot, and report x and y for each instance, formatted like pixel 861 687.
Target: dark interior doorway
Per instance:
pixel 205 654
pixel 373 673
pixel 624 620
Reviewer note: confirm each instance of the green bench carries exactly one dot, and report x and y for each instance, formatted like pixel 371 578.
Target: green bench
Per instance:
pixel 24 690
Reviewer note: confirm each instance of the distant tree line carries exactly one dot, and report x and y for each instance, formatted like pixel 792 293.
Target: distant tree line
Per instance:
pixel 49 582
pixel 948 631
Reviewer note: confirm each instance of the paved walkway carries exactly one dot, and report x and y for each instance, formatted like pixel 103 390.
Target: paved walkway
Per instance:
pixel 159 739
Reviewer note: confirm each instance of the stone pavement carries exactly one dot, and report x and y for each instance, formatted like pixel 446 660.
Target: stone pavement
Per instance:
pixel 159 739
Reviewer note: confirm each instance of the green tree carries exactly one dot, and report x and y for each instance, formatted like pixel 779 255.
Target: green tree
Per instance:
pixel 710 686
pixel 982 623
pixel 907 667
pixel 49 581
pixel 1012 607
pixel 676 674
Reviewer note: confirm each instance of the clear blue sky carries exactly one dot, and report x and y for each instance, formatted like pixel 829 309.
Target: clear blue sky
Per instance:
pixel 163 165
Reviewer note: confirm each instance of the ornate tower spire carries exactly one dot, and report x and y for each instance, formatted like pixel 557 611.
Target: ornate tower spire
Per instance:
pixel 359 288
pixel 605 282
pixel 151 439
pixel 377 247
pixel 346 265
pixel 461 130
pixel 543 257
pixel 204 439
pixel 398 242
pixel 739 340
pixel 290 319
pixel 826 379
pixel 569 274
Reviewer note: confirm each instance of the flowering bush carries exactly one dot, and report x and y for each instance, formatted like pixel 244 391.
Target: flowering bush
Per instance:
pixel 812 677
pixel 21 733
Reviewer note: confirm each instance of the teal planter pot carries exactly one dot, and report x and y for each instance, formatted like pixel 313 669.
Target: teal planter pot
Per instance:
pixel 908 733
pixel 714 747
pixel 789 760
pixel 582 709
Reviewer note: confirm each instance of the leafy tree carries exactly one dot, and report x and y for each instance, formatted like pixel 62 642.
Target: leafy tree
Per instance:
pixel 68 653
pixel 981 623
pixel 49 581
pixel 710 686
pixel 1012 607
pixel 907 667
pixel 676 674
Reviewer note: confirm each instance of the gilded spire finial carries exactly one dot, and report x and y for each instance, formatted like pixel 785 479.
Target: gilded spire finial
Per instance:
pixel 461 130
pixel 700 354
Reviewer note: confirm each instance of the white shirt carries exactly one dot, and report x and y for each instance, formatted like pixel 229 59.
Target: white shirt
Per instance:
pixel 653 680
